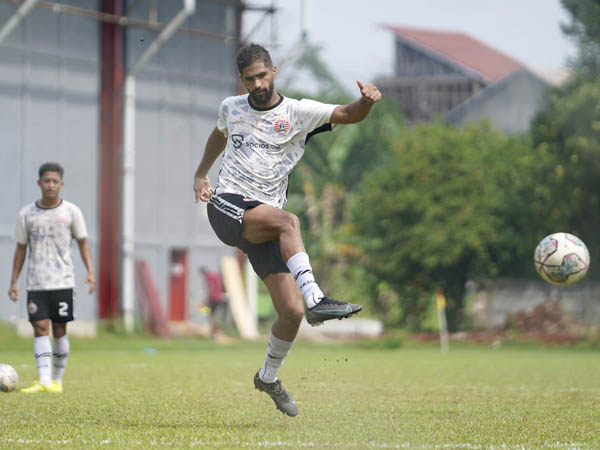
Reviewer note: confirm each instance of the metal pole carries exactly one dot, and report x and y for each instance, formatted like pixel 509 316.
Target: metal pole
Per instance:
pixel 128 205
pixel 164 36
pixel 14 20
pixel 440 307
pixel 128 167
pixel 305 20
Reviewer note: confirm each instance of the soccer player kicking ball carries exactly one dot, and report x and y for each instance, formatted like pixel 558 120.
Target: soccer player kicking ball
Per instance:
pixel 47 227
pixel 263 135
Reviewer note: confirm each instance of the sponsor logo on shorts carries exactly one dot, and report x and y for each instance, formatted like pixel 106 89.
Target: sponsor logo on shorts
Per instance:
pixel 32 308
pixel 282 126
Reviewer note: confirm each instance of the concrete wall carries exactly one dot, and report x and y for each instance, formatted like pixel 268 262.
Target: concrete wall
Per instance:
pixel 496 299
pixel 508 104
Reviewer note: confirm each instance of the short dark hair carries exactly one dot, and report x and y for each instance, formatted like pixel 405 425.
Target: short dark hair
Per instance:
pixel 51 167
pixel 251 53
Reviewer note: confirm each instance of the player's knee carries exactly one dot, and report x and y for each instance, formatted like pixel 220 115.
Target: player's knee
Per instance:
pixel 40 329
pixel 59 330
pixel 291 224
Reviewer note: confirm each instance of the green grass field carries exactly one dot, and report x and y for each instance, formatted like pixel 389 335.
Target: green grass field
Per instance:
pixel 359 395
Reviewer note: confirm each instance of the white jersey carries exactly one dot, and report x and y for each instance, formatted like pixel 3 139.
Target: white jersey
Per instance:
pixel 48 232
pixel 263 146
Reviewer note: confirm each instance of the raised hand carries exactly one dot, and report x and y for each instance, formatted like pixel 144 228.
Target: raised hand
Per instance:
pixel 369 93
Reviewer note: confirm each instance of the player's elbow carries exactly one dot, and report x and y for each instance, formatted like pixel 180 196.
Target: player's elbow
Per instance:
pixel 348 114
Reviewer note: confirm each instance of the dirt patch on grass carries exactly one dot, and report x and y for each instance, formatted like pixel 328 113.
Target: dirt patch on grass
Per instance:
pixel 547 323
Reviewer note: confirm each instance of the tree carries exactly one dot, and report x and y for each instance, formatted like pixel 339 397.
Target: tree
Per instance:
pixel 567 130
pixel 585 20
pixel 321 187
pixel 330 169
pixel 449 205
pixel 584 28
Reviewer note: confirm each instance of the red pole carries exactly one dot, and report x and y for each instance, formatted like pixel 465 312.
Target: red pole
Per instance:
pixel 110 153
pixel 178 285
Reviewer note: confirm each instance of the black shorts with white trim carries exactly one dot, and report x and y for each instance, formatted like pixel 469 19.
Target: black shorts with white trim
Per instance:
pixel 225 214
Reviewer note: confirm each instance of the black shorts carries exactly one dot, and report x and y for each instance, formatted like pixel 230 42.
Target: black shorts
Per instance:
pixel 56 305
pixel 225 214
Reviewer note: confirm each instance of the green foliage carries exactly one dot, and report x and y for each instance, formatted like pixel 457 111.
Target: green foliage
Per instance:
pixel 585 20
pixel 567 129
pixel 389 214
pixel 449 205
pixel 305 59
pixel 584 28
pixel 320 190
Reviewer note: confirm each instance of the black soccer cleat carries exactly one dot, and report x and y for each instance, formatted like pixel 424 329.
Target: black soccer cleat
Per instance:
pixel 328 309
pixel 284 401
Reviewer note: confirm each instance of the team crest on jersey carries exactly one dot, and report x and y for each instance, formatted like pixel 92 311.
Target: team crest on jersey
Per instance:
pixel 32 308
pixel 282 126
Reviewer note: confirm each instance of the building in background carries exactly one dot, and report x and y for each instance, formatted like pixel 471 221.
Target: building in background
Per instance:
pixel 61 78
pixel 450 75
pixel 509 104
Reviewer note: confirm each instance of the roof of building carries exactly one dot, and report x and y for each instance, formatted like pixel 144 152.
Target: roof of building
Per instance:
pixel 461 50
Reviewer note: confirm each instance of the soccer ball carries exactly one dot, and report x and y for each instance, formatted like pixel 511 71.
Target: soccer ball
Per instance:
pixel 8 378
pixel 561 259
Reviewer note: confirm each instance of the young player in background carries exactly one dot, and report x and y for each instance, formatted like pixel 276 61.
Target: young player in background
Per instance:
pixel 263 135
pixel 47 226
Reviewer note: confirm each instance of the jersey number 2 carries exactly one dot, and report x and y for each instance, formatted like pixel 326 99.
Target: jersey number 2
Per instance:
pixel 63 309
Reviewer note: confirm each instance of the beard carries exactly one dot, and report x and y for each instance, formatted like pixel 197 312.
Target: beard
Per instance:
pixel 263 96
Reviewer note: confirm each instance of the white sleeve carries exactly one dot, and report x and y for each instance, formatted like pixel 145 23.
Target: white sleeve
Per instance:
pixel 78 229
pixel 313 114
pixel 20 231
pixel 222 120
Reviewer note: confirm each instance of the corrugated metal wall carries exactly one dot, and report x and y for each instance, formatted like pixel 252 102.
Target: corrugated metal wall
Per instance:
pixel 49 97
pixel 178 93
pixel 49 72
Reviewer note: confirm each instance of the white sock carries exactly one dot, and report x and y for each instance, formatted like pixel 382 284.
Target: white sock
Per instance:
pixel 276 353
pixel 300 267
pixel 43 351
pixel 59 357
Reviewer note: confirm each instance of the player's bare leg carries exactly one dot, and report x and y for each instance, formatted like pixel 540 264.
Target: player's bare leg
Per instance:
pixel 290 309
pixel 266 223
pixel 288 304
